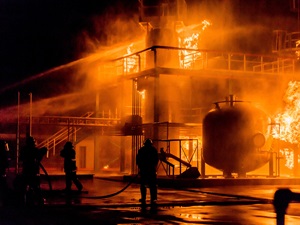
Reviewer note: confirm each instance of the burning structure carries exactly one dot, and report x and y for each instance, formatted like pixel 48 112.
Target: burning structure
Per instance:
pixel 162 87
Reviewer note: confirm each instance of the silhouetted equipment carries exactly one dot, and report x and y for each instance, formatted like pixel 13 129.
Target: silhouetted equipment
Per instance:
pixel 282 199
pixel 191 172
pixel 236 137
pixel 133 125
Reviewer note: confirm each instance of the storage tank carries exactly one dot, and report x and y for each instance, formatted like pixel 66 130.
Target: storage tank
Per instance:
pixel 236 137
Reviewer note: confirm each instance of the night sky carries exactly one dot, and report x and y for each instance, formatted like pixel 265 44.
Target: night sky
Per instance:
pixel 38 35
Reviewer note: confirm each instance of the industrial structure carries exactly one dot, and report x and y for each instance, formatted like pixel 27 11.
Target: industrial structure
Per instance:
pixel 164 92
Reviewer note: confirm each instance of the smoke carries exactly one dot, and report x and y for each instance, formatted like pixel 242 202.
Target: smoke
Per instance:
pixel 72 104
pixel 108 36
pixel 244 26
pixel 117 24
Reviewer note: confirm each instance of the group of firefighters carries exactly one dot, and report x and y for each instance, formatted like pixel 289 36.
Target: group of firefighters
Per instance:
pixel 27 183
pixel 31 156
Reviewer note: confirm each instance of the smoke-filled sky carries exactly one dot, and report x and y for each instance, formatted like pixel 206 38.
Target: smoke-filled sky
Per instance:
pixel 36 35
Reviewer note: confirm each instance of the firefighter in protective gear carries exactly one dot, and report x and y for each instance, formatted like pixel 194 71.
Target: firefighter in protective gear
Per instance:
pixel 31 156
pixel 147 161
pixel 3 158
pixel 70 168
pixel 4 164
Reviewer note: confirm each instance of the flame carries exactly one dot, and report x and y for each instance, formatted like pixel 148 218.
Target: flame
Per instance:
pixel 297 46
pixel 130 63
pixel 142 93
pixel 289 121
pixel 185 147
pixel 106 167
pixel 188 57
pixel 289 157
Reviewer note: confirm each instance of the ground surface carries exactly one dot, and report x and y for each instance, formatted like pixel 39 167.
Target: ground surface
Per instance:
pixel 101 203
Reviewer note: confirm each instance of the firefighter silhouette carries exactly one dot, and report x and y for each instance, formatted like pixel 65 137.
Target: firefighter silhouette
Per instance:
pixel 147 160
pixel 31 157
pixel 4 163
pixel 3 158
pixel 70 168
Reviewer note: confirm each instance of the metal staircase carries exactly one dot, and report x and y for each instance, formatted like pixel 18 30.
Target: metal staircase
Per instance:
pixel 61 136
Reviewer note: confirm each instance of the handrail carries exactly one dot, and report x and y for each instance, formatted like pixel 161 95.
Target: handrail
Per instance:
pixel 196 59
pixel 60 136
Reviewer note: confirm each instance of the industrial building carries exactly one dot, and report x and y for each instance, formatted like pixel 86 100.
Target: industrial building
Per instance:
pixel 162 86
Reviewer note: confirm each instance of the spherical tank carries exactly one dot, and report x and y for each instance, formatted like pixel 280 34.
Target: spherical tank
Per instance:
pixel 236 137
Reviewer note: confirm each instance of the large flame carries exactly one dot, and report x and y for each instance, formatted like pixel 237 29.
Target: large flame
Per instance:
pixel 188 57
pixel 288 154
pixel 131 62
pixel 289 119
pixel 289 122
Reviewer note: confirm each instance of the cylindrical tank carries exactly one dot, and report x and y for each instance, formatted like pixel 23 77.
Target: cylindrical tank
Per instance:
pixel 236 137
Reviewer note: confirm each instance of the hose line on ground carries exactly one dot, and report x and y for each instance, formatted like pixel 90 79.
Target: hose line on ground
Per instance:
pixel 113 194
pixel 91 197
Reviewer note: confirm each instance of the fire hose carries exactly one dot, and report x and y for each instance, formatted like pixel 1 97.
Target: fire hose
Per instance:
pixel 282 197
pixel 90 197
pixel 47 176
pixel 113 194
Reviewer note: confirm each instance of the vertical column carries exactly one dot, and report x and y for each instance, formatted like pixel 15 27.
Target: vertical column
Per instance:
pixel 30 114
pixel 18 137
pixel 156 108
pixel 229 84
pixel 271 165
pixel 122 154
pixel 122 138
pixel 296 152
pixel 136 136
pixel 96 136
pixel 191 151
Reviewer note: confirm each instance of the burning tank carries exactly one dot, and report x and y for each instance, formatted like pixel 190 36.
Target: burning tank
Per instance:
pixel 236 137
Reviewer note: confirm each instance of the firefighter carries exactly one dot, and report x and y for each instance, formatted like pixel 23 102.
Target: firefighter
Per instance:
pixel 70 168
pixel 147 161
pixel 3 158
pixel 4 163
pixel 31 157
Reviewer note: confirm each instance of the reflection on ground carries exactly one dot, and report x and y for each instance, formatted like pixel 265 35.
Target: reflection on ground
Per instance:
pixel 215 205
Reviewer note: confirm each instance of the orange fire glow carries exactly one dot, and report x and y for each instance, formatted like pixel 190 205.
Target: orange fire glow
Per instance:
pixel 130 63
pixel 188 57
pixel 297 46
pixel 289 121
pixel 185 147
pixel 288 154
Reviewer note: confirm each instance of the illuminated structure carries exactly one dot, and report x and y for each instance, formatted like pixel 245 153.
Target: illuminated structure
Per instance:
pixel 164 91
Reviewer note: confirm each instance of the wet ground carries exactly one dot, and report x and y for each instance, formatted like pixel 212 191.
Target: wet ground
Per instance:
pixel 113 201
